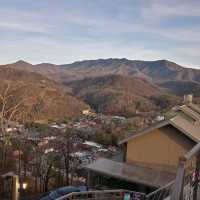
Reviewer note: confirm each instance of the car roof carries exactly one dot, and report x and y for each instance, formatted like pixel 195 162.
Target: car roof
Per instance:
pixel 61 192
pixel 67 189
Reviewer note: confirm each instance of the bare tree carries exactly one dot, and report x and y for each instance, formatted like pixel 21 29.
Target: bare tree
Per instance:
pixel 9 110
pixel 66 148
pixel 46 169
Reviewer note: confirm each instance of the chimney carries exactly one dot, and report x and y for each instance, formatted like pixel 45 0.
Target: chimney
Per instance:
pixel 188 98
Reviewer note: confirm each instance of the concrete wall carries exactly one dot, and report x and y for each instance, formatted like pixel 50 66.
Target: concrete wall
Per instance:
pixel 160 148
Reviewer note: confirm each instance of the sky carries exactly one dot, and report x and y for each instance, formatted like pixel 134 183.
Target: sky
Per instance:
pixel 63 31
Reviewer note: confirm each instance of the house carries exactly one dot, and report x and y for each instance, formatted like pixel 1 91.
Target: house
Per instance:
pixel 58 126
pixel 152 154
pixel 92 144
pixel 88 112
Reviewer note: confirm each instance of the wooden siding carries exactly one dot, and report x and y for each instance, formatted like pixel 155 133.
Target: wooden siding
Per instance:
pixel 160 148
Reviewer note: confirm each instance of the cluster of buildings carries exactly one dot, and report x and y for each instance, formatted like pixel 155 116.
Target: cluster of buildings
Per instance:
pixel 84 151
pixel 148 158
pixel 151 155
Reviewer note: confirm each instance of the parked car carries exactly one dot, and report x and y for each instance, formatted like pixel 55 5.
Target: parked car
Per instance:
pixel 55 194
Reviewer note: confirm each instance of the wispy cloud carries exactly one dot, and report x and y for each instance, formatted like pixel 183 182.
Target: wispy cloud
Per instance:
pixel 23 27
pixel 178 8
pixel 64 31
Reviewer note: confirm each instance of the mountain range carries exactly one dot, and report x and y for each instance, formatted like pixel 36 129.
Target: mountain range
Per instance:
pixel 157 71
pixel 118 86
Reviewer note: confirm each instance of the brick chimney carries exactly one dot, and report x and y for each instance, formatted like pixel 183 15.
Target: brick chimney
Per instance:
pixel 188 98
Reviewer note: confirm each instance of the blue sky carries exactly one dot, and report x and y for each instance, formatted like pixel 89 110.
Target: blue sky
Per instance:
pixel 63 31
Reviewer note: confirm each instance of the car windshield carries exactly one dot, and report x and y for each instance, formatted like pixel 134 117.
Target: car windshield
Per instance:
pixel 54 195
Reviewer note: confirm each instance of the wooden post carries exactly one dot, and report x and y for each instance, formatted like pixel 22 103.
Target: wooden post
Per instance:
pixel 89 179
pixel 15 188
pixel 177 192
pixel 197 171
pixel 124 151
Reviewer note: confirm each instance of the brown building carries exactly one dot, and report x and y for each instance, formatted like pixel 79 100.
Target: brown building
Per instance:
pixel 152 154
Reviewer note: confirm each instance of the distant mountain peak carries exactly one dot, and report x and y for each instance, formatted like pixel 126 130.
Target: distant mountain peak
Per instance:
pixel 45 64
pixel 22 62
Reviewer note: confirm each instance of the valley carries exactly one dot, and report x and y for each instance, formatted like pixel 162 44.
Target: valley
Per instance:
pixel 113 86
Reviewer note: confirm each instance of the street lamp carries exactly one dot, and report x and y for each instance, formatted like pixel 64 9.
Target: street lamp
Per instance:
pixel 22 191
pixel 24 185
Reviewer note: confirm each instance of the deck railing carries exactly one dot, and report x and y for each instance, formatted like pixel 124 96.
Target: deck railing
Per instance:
pixel 162 193
pixel 184 187
pixel 186 184
pixel 103 195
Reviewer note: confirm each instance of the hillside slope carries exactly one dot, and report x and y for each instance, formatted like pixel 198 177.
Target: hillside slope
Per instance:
pixel 118 95
pixel 43 99
pixel 182 87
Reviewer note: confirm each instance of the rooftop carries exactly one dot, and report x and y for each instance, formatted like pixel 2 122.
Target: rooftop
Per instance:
pixel 186 119
pixel 132 173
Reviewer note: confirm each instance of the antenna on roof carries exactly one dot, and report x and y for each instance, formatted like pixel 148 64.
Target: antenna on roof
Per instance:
pixel 188 98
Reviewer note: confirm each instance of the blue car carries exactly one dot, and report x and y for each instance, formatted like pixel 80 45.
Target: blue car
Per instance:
pixel 53 195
